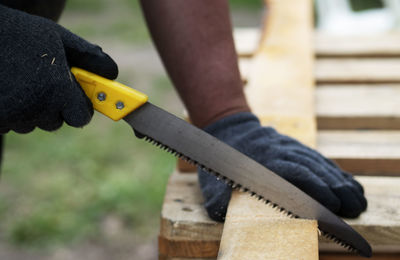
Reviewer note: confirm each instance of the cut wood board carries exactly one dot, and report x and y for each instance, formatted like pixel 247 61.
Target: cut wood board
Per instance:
pixel 385 45
pixel 187 231
pixel 253 232
pixel 280 92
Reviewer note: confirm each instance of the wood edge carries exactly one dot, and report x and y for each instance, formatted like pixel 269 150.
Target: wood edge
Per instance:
pixel 187 248
pixel 356 123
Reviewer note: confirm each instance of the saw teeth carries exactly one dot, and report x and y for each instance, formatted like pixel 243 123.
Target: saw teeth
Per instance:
pixel 340 242
pixel 232 184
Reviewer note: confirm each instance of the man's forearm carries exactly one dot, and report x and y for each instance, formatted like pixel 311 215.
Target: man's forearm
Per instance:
pixel 194 39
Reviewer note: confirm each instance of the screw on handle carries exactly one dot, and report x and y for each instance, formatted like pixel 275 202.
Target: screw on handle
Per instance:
pixel 109 97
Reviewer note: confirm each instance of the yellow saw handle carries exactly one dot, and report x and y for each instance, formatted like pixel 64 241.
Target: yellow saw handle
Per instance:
pixel 109 97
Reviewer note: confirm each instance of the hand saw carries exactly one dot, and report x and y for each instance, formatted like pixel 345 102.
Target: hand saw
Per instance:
pixel 184 140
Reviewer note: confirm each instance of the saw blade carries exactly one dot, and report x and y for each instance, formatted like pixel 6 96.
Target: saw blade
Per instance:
pixel 239 171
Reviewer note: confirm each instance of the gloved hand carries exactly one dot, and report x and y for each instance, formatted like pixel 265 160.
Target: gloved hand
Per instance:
pixel 37 88
pixel 300 165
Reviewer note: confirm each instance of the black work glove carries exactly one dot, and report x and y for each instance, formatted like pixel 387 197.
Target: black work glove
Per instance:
pixel 300 165
pixel 37 88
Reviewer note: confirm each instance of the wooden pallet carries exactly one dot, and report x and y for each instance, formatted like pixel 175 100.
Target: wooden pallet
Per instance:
pixel 187 232
pixel 358 119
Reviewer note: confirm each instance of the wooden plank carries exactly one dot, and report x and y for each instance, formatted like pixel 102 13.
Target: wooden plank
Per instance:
pixel 350 257
pixel 350 106
pixel 322 257
pixel 363 152
pixel 384 45
pixel 366 46
pixel 280 92
pixel 280 87
pixel 346 70
pixel 253 232
pixel 358 106
pixel 341 70
pixel 187 248
pixel 350 70
pixel 380 224
pixel 184 221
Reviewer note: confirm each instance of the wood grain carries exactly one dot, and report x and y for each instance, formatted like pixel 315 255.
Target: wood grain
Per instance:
pixel 255 231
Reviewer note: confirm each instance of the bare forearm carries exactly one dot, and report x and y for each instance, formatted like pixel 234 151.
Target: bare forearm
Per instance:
pixel 194 39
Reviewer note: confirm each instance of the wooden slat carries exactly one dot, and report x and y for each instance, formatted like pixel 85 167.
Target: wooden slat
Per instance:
pixel 336 61
pixel 322 257
pixel 184 220
pixel 354 106
pixel 253 232
pixel 358 106
pixel 280 92
pixel 371 70
pixel 349 257
pixel 343 71
pixel 363 152
pixel 385 45
pixel 380 224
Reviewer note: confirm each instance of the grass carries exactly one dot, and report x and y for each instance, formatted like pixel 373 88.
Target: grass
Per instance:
pixel 111 20
pixel 246 4
pixel 58 187
pixel 85 5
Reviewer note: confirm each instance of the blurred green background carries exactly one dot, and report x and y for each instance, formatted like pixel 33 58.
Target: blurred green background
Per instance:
pixel 97 185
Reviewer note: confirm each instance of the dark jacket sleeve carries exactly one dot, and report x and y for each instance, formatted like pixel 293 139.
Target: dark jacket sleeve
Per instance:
pixel 50 9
